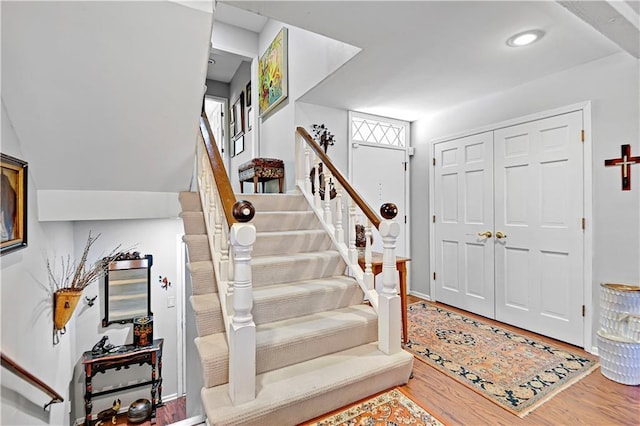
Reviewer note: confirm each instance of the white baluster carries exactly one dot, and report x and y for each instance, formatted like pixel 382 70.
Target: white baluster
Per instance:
pixel 389 314
pixel 339 212
pixel 327 196
pixel 242 332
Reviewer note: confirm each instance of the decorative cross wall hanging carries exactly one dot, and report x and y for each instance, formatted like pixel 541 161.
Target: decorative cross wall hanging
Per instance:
pixel 625 162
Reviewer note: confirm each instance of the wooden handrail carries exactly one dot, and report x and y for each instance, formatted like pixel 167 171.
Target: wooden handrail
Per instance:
pixel 366 209
pixel 227 196
pixel 12 366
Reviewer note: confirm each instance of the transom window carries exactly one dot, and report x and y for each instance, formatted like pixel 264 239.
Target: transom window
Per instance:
pixel 377 131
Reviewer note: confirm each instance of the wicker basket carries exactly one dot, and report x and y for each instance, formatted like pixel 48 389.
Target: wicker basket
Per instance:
pixel 617 300
pixel 619 359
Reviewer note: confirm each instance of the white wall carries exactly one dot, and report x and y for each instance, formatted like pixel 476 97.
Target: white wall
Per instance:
pixel 312 58
pixel 159 238
pixel 612 86
pixel 27 314
pixel 337 121
pixel 237 86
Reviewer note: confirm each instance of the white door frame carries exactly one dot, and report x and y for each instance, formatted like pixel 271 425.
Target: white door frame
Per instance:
pixel 225 126
pixel 407 181
pixel 585 107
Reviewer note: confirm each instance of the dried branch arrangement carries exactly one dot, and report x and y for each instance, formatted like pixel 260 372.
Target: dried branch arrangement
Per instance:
pixel 77 275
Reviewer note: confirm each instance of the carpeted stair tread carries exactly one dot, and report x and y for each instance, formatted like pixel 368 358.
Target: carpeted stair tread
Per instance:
pixel 208 313
pixel 197 247
pixel 296 267
pixel 214 358
pixel 190 201
pixel 193 222
pixel 285 220
pixel 296 340
pixel 202 277
pixel 276 202
pixel 300 392
pixel 289 242
pixel 281 301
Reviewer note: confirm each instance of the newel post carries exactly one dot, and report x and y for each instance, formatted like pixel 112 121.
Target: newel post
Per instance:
pixel 242 330
pixel 389 315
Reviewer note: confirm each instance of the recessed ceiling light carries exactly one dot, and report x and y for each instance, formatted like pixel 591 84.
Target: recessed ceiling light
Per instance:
pixel 525 38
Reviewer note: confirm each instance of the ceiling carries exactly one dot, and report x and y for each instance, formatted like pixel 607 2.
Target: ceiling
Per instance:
pixel 420 57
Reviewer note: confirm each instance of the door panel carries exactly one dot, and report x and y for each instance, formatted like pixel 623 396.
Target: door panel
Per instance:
pixel 379 175
pixel 524 184
pixel 538 205
pixel 464 208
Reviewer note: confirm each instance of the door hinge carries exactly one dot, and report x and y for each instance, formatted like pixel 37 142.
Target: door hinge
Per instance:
pixel 434 161
pixel 434 218
pixel 405 165
pixel 434 275
pixel 582 135
pixel 583 310
pixel 584 223
pixel 405 218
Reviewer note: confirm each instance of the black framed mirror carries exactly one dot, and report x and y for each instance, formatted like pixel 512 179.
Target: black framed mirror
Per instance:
pixel 127 290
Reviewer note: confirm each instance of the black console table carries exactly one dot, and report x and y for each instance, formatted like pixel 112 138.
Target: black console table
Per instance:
pixel 129 355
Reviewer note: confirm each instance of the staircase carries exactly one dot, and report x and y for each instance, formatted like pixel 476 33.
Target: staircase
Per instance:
pixel 315 335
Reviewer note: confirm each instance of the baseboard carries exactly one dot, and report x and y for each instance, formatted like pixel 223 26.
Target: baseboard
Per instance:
pixel 420 295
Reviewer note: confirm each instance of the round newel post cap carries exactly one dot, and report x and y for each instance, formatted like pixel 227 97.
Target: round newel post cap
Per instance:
pixel 388 210
pixel 243 211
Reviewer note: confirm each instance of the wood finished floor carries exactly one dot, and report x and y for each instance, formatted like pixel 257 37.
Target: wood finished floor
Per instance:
pixel 595 400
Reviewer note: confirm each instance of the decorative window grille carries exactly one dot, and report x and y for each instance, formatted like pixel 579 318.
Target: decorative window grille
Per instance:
pixel 377 131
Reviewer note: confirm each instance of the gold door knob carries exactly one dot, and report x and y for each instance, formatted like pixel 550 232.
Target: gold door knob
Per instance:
pixel 486 234
pixel 500 235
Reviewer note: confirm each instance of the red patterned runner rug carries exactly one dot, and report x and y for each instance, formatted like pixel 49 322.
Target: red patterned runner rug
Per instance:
pixel 392 407
pixel 516 372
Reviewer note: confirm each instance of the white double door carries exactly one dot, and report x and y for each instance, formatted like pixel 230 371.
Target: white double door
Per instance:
pixel 508 232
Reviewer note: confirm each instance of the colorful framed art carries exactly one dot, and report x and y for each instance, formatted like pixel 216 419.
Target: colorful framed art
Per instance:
pixel 13 205
pixel 273 74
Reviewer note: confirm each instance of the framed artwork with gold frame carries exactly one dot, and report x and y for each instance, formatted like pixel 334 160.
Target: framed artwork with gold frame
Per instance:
pixel 13 204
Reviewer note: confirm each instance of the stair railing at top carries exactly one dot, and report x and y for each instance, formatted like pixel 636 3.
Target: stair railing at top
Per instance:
pixel 231 239
pixel 311 162
pixel 13 366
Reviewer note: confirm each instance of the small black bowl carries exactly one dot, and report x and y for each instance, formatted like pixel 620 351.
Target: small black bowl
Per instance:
pixel 139 410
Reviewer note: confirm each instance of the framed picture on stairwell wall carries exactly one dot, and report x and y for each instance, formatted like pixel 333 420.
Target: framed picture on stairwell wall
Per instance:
pixel 13 205
pixel 273 74
pixel 237 117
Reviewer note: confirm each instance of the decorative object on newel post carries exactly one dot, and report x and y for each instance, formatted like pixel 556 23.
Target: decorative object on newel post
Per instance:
pixel 67 284
pixel 325 139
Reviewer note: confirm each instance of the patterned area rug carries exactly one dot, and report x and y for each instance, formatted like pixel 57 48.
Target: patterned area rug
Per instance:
pixel 515 372
pixel 389 408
